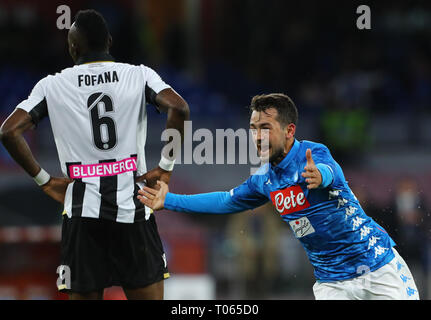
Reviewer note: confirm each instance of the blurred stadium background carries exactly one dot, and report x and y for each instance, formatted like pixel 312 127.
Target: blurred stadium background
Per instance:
pixel 366 94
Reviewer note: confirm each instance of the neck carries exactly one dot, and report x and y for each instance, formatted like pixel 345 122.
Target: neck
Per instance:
pixel 94 56
pixel 281 156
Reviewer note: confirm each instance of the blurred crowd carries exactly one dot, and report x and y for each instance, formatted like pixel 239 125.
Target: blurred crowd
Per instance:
pixel 360 92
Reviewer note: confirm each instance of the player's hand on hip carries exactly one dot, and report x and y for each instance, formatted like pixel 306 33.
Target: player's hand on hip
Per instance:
pixel 151 177
pixel 56 188
pixel 155 199
pixel 312 175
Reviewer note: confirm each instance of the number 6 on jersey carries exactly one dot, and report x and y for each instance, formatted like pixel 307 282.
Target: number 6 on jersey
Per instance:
pixel 104 132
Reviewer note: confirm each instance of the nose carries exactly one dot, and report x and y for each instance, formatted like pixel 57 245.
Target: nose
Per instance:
pixel 263 135
pixel 257 136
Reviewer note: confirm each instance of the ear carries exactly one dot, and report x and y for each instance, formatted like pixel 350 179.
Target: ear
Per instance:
pixel 109 41
pixel 290 130
pixel 76 50
pixel 73 51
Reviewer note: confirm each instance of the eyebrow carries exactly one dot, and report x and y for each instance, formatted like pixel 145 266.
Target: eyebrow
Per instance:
pixel 260 125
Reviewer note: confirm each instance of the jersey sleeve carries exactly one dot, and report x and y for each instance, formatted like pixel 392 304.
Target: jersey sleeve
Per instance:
pixel 238 199
pixel 246 194
pixel 328 167
pixel 153 84
pixel 36 104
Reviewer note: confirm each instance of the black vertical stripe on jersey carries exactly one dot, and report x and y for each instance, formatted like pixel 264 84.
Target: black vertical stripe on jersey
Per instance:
pixel 139 207
pixel 108 193
pixel 39 112
pixel 78 191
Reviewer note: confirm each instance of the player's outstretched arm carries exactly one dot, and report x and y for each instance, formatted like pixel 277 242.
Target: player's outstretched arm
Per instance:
pixel 11 135
pixel 211 203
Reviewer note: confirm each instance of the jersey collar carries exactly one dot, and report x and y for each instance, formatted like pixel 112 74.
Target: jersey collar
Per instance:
pixel 288 158
pixel 95 57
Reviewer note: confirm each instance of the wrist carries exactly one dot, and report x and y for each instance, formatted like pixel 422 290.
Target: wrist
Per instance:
pixel 166 164
pixel 326 175
pixel 42 177
pixel 167 201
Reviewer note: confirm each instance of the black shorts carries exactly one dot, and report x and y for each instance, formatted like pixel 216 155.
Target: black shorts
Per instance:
pixel 100 253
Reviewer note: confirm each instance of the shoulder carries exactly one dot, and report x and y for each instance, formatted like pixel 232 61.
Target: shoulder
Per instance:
pixel 60 75
pixel 145 68
pixel 307 144
pixel 259 177
pixel 57 77
pixel 314 146
pixel 319 151
pixel 137 69
pixel 263 170
pixel 130 69
pixel 127 66
pixel 42 84
pixel 65 72
pixel 149 72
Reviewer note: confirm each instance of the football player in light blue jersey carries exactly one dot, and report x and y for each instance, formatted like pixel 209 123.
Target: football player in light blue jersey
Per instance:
pixel 353 257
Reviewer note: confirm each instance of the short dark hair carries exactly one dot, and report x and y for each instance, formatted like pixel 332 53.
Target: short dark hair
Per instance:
pixel 93 27
pixel 286 109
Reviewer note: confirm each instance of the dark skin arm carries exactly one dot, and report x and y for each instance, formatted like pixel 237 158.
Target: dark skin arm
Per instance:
pixel 178 111
pixel 11 135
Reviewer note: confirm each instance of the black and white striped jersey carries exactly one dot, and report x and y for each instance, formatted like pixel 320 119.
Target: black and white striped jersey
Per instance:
pixel 98 117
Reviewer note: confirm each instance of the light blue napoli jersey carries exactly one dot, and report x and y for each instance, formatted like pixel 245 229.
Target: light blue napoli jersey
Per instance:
pixel 341 241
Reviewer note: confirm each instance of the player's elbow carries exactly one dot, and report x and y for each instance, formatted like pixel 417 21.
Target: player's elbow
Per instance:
pixel 182 109
pixel 171 102
pixel 15 125
pixel 7 132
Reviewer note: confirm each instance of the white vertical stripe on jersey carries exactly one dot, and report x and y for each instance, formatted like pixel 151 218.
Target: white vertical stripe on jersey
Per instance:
pixel 148 210
pixel 147 213
pixel 68 200
pixel 125 194
pixel 141 137
pixel 91 202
